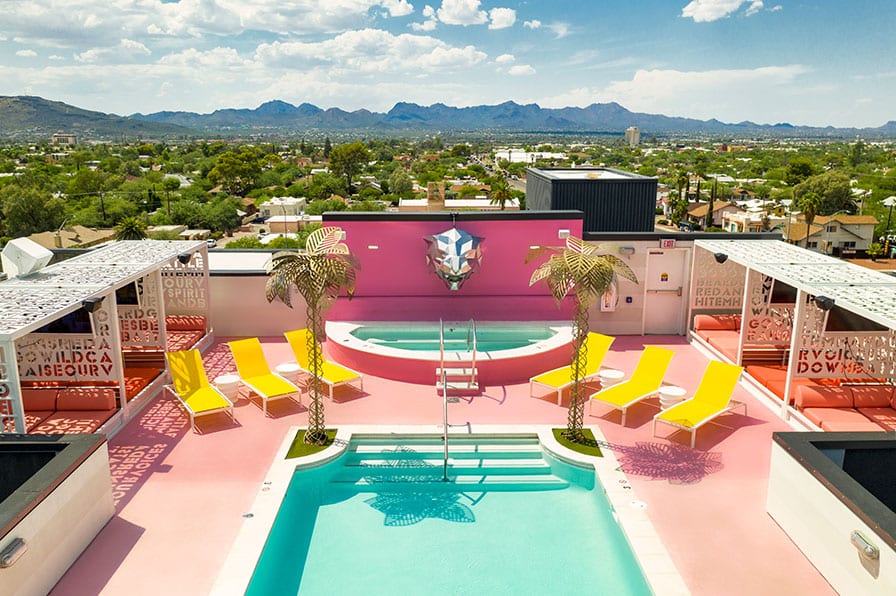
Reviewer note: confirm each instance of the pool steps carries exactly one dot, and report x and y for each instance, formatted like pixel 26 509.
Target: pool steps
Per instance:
pixel 473 465
pixel 458 380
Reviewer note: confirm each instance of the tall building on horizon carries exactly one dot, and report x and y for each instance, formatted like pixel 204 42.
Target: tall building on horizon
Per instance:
pixel 632 136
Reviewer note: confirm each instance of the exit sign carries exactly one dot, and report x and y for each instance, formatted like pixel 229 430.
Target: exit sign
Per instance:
pixel 667 243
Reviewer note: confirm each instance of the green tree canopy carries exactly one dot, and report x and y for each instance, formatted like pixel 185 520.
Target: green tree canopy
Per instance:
pixel 833 190
pixel 27 211
pixel 798 170
pixel 236 172
pixel 347 160
pixel 400 182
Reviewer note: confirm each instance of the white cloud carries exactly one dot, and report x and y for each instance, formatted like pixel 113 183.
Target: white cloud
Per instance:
pixel 501 18
pixel 26 53
pixel 217 58
pixel 370 51
pixel 521 70
pixel 695 94
pixel 126 50
pixel 775 8
pixel 431 21
pixel 706 11
pixel 533 24
pixel 429 25
pixel 100 23
pixel 755 6
pixel 461 12
pixel 560 29
pixel 398 8
pixel 56 57
pixel 505 59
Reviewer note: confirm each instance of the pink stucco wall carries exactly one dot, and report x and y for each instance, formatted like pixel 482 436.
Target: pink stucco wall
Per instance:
pixel 395 283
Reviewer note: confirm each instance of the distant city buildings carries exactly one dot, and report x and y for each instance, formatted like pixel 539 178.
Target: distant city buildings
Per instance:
pixel 63 138
pixel 522 156
pixel 282 206
pixel 632 136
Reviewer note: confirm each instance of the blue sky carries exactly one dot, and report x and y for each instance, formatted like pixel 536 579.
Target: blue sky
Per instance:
pixel 814 62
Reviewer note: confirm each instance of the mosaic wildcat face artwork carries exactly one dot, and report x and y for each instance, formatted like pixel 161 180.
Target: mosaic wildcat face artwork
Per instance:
pixel 453 255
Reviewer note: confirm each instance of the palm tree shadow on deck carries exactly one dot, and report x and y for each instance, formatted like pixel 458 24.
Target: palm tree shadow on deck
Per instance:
pixel 678 464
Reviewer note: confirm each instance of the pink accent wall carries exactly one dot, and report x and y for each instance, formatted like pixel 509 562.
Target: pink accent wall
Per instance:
pixel 395 282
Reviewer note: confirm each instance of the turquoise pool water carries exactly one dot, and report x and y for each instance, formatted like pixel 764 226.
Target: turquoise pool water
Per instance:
pixel 425 337
pixel 511 520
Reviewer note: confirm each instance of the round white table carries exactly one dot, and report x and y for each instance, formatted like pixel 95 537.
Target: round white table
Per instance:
pixel 289 371
pixel 609 377
pixel 670 395
pixel 229 385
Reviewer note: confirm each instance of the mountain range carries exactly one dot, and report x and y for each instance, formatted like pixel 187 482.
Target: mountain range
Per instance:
pixel 35 117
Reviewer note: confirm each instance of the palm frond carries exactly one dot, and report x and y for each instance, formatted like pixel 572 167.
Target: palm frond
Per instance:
pixel 580 269
pixel 536 252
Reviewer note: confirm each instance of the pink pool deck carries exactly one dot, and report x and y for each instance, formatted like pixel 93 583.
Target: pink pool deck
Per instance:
pixel 180 495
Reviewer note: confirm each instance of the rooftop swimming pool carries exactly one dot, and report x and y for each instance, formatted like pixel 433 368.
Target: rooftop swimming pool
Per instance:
pixel 506 351
pixel 511 519
pixel 458 336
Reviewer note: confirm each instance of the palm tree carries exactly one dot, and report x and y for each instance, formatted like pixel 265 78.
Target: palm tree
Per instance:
pixel 501 194
pixel 587 271
pixel 809 203
pixel 318 274
pixel 130 228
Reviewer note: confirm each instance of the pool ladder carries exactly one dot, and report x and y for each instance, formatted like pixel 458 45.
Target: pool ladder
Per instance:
pixel 462 376
pixel 463 379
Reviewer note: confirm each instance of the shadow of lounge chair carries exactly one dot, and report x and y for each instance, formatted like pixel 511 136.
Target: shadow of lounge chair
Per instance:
pixel 331 374
pixel 646 379
pixel 712 399
pixel 255 373
pixel 561 378
pixel 189 383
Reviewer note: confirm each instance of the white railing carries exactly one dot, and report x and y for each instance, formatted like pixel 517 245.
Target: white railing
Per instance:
pixel 444 400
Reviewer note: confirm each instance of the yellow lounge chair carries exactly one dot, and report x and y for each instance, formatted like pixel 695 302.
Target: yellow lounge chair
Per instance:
pixel 331 374
pixel 190 385
pixel 712 399
pixel 560 378
pixel 644 382
pixel 255 373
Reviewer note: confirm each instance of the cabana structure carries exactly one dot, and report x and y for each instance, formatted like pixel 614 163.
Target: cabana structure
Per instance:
pixel 815 332
pixel 82 342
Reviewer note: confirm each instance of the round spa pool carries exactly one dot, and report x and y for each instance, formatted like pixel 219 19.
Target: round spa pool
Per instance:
pixel 506 351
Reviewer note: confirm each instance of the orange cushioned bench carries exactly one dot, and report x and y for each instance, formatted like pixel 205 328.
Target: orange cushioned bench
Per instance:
pixel 848 407
pixel 74 410
pixel 722 332
pixel 183 331
pixel 135 380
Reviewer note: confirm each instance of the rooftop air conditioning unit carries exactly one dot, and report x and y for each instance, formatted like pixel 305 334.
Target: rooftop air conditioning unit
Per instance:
pixel 23 257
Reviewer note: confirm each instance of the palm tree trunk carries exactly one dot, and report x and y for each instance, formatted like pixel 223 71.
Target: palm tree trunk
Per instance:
pixel 316 433
pixel 576 418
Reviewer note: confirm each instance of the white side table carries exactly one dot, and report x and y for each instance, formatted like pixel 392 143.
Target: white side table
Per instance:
pixel 289 371
pixel 609 377
pixel 670 395
pixel 229 385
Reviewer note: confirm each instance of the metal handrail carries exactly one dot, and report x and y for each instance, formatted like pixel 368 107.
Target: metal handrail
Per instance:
pixel 473 359
pixel 444 400
pixel 442 344
pixel 445 425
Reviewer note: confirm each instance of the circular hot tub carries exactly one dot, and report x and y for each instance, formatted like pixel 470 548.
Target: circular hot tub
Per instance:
pixel 505 351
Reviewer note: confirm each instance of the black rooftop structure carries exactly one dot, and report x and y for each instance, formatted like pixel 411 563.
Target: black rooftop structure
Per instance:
pixel 612 200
